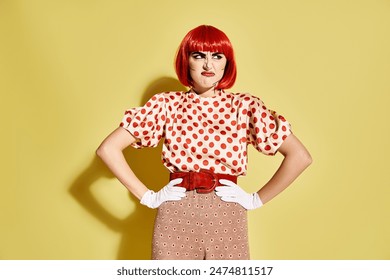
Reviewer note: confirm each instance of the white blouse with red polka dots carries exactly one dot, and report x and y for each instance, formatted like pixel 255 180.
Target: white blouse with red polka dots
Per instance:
pixel 206 132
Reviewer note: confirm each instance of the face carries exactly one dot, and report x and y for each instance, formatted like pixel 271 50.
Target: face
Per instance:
pixel 206 69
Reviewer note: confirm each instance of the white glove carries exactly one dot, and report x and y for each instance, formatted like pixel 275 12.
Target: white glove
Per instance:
pixel 230 192
pixel 168 193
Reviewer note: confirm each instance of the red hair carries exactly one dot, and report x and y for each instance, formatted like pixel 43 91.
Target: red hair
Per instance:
pixel 208 39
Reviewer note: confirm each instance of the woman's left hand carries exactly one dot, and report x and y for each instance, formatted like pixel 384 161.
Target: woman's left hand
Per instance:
pixel 231 192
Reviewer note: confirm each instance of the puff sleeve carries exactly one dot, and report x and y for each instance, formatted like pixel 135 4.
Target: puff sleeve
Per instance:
pixel 267 129
pixel 146 123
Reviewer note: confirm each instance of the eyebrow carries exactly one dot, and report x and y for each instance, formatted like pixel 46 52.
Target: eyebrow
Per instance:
pixel 203 53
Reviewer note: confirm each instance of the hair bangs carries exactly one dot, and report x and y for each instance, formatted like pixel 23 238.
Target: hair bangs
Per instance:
pixel 209 39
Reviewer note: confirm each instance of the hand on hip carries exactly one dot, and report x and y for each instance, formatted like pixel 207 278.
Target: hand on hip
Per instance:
pixel 168 193
pixel 231 192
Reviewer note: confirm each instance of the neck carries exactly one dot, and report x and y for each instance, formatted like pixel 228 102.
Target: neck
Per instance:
pixel 205 92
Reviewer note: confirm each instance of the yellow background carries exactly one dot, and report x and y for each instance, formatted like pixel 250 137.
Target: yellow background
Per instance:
pixel 69 69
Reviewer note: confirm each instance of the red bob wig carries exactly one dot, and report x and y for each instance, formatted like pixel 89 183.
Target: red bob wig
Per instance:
pixel 209 39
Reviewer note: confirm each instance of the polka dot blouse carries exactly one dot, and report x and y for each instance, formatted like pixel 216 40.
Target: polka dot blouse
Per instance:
pixel 206 132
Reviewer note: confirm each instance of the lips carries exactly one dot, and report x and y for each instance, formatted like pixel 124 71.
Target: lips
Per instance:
pixel 208 74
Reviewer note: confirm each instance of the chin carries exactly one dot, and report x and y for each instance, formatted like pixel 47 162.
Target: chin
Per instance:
pixel 210 84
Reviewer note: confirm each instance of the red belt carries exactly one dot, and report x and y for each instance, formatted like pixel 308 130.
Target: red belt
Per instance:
pixel 203 181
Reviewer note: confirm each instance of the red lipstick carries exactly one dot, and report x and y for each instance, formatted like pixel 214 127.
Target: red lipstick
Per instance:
pixel 207 74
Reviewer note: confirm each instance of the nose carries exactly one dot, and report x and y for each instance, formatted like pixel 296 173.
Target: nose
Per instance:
pixel 207 63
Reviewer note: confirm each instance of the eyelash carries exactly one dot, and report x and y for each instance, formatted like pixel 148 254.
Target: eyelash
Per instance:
pixel 199 56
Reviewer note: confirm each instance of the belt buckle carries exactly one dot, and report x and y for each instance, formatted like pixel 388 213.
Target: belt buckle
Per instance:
pixel 214 179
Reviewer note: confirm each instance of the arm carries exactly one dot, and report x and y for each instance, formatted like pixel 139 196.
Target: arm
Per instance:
pixel 296 159
pixel 111 152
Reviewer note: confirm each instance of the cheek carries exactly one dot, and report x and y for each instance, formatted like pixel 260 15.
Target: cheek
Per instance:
pixel 223 66
pixel 194 65
pixel 195 69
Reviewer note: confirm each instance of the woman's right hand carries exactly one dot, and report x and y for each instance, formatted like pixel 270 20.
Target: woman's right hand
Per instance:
pixel 170 192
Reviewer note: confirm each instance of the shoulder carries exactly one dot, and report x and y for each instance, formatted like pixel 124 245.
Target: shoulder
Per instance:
pixel 169 96
pixel 165 97
pixel 245 98
pixel 173 94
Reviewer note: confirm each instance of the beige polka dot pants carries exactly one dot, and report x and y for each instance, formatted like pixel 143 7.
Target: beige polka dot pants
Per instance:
pixel 200 227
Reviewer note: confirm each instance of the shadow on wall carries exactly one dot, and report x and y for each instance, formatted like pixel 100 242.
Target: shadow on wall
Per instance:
pixel 137 228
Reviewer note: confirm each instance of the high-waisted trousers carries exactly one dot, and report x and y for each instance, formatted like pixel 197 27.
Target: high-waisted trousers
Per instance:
pixel 200 227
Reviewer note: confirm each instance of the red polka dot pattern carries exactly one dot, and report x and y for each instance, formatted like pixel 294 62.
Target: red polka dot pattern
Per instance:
pixel 206 133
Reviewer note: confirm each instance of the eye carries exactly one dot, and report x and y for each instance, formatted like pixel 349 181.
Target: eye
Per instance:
pixel 218 56
pixel 197 55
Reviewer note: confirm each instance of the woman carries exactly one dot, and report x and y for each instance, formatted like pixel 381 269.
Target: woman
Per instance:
pixel 202 211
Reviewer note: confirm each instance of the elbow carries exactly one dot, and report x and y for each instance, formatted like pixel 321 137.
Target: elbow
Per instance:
pixel 102 151
pixel 302 158
pixel 99 151
pixel 296 152
pixel 306 159
pixel 107 150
